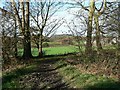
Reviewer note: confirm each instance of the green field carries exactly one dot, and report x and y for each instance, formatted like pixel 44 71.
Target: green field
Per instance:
pixel 60 50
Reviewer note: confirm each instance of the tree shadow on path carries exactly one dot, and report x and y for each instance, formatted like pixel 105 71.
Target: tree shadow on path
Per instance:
pixel 44 76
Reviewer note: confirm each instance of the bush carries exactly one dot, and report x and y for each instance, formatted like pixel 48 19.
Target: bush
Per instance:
pixel 45 44
pixel 67 41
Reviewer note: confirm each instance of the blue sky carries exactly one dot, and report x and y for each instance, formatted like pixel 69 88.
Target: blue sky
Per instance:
pixel 63 14
pixel 1 3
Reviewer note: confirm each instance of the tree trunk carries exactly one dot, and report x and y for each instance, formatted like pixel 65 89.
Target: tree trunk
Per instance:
pixel 27 37
pixel 37 44
pixel 89 38
pixel 17 17
pixel 15 38
pixel 118 51
pixel 40 48
pixel 89 30
pixel 3 44
pixel 27 46
pixel 98 39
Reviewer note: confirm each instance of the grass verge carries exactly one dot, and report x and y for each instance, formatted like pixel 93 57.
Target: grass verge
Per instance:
pixel 76 79
pixel 11 79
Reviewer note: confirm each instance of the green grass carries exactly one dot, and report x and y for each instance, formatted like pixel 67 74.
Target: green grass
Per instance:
pixel 11 79
pixel 76 79
pixel 60 50
pixel 69 73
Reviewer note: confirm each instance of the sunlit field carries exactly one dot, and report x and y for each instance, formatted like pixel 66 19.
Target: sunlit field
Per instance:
pixel 59 50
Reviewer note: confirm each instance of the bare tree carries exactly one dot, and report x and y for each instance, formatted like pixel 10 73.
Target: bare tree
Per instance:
pixel 97 14
pixel 27 36
pixel 21 22
pixel 77 27
pixel 42 13
pixel 15 38
pixel 119 26
pixel 89 24
pixel 93 15
pixel 8 37
pixel 111 21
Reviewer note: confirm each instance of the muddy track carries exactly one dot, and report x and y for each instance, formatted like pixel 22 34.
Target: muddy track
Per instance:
pixel 45 76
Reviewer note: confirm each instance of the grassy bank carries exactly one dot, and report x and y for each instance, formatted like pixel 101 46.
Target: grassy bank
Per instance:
pixel 76 79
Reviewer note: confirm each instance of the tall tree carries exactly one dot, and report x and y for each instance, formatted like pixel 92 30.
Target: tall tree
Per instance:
pixel 93 15
pixel 27 36
pixel 6 14
pixel 42 13
pixel 8 39
pixel 15 38
pixel 89 31
pixel 23 27
pixel 111 21
pixel 119 26
pixel 91 11
pixel 97 14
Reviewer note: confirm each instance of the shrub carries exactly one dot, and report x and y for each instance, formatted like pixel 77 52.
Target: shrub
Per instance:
pixel 67 41
pixel 45 44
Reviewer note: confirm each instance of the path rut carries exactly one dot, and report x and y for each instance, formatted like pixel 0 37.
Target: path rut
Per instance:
pixel 45 76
